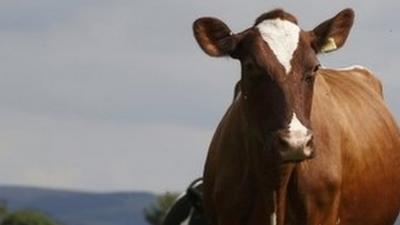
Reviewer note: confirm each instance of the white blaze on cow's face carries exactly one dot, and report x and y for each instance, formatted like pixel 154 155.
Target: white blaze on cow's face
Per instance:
pixel 279 65
pixel 282 37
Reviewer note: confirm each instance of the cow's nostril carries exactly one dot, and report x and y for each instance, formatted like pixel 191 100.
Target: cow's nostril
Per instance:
pixel 283 142
pixel 310 141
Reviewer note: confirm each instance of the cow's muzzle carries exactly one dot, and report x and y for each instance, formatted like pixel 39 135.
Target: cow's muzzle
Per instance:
pixel 294 146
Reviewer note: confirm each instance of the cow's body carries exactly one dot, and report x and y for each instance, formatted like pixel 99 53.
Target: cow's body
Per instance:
pixel 188 208
pixel 353 179
pixel 361 147
pixel 260 167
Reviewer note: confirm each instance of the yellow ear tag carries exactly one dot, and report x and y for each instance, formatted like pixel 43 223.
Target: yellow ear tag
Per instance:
pixel 329 45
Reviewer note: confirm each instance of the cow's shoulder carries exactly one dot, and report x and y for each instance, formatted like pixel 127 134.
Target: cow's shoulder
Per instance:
pixel 358 74
pixel 354 99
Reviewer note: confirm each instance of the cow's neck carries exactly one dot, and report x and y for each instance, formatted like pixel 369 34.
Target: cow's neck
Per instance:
pixel 263 115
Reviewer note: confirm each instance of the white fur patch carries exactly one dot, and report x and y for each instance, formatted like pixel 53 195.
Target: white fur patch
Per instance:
pixel 187 220
pixel 238 96
pixel 296 127
pixel 273 215
pixel 273 218
pixel 298 135
pixel 354 67
pixel 282 37
pixel 199 182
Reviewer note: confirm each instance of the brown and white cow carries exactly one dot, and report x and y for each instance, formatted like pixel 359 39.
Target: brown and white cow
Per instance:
pixel 301 144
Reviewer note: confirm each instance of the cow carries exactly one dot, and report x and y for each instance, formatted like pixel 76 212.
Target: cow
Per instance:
pixel 188 208
pixel 301 143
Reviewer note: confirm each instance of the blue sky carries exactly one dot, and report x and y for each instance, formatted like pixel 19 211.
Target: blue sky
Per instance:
pixel 116 95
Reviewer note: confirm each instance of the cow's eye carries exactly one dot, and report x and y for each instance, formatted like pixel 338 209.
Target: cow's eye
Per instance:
pixel 310 76
pixel 248 65
pixel 316 68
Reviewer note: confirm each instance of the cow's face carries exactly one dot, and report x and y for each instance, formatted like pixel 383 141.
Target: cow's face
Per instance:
pixel 279 58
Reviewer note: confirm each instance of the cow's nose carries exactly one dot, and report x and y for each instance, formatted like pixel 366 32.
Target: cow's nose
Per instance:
pixel 295 145
pixel 297 140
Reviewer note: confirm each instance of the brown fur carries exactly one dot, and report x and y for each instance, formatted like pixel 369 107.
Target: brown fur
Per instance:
pixel 220 42
pixel 277 13
pixel 340 32
pixel 354 175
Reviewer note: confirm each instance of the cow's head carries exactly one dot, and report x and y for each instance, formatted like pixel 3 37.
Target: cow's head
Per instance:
pixel 279 63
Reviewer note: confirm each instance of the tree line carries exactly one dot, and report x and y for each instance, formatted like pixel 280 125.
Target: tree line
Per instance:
pixel 23 217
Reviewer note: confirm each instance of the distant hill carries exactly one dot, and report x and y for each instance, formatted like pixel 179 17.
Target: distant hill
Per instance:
pixel 80 208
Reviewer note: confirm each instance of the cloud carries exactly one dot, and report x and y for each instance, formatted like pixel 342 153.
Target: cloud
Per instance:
pixel 110 95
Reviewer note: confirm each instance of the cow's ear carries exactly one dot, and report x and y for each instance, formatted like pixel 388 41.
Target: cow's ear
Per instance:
pixel 332 34
pixel 214 36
